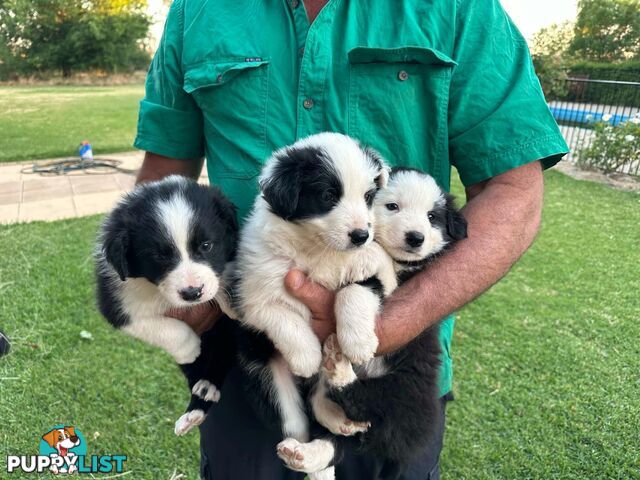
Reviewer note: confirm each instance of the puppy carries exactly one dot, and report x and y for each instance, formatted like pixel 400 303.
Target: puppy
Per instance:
pixel 391 401
pixel 315 213
pixel 166 245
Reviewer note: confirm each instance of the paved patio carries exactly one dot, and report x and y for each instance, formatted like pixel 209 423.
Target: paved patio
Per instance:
pixel 28 197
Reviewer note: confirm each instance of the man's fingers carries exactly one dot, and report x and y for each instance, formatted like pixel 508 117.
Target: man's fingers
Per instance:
pixel 318 300
pixel 313 295
pixel 200 317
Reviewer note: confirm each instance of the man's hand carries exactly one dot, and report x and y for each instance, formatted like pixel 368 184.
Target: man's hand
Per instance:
pixel 200 318
pixel 318 299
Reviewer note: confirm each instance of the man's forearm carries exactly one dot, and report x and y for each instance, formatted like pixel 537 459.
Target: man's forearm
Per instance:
pixel 503 216
pixel 156 167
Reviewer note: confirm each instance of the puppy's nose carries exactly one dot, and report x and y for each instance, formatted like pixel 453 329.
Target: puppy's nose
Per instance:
pixel 414 239
pixel 191 294
pixel 359 236
pixel 74 438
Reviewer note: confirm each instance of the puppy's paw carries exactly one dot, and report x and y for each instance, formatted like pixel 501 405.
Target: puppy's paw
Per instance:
pixel 305 363
pixel 188 349
pixel 339 424
pixel 206 391
pixel 306 457
pixel 336 368
pixel 290 452
pixel 333 417
pixel 189 420
pixel 358 346
pixel 349 428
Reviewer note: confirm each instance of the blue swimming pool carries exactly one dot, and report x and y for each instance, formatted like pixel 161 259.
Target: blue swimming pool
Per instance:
pixel 586 116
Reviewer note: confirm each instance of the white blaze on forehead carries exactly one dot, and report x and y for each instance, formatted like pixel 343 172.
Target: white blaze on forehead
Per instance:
pixel 356 170
pixel 176 215
pixel 413 191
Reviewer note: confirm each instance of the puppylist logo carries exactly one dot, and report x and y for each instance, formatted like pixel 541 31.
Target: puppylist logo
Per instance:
pixel 63 450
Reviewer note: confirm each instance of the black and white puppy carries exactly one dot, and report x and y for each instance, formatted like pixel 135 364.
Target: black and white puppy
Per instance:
pixel 315 213
pixel 166 245
pixel 391 402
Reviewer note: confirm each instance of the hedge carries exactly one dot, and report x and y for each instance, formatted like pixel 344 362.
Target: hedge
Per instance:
pixel 604 94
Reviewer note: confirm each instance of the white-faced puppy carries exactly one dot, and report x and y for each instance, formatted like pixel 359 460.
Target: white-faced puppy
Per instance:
pixel 315 213
pixel 166 245
pixel 391 403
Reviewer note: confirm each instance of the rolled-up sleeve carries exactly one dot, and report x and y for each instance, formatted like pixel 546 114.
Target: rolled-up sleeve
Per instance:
pixel 498 117
pixel 169 123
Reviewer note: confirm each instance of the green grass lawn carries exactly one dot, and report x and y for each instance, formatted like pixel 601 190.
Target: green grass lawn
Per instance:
pixel 47 122
pixel 546 376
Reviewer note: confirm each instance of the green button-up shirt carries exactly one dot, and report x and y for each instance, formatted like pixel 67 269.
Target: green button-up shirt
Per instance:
pixel 428 83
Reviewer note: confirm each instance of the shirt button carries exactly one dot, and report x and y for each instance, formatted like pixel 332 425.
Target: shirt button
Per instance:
pixel 402 75
pixel 301 51
pixel 308 103
pixel 294 3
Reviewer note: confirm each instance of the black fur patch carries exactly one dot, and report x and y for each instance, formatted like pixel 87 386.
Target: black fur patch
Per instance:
pixel 303 184
pixel 374 284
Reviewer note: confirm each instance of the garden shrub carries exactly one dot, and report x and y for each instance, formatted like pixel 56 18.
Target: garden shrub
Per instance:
pixel 613 148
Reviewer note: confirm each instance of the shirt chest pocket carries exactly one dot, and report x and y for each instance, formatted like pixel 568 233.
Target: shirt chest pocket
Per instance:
pixel 232 95
pixel 398 103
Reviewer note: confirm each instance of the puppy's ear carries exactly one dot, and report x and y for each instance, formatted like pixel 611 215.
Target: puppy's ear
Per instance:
pixel 383 176
pixel 456 223
pixel 50 438
pixel 226 210
pixel 282 183
pixel 116 244
pixel 71 431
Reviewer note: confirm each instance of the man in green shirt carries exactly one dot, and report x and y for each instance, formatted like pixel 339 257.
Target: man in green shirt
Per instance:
pixel 429 83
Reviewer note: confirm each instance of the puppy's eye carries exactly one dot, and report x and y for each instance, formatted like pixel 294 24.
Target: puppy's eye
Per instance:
pixel 431 216
pixel 206 246
pixel 392 207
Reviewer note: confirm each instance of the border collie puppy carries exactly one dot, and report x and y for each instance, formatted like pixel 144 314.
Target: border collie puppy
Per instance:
pixel 315 213
pixel 166 245
pixel 393 399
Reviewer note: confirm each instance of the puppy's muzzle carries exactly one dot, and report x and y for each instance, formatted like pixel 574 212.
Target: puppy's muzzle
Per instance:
pixel 191 294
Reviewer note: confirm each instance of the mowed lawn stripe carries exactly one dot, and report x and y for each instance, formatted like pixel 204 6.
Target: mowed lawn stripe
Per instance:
pixel 48 122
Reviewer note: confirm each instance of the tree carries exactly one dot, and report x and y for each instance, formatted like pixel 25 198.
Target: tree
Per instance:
pixel 68 35
pixel 549 49
pixel 607 30
pixel 553 41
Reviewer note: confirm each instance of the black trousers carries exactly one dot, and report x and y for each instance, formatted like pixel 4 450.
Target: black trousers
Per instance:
pixel 235 445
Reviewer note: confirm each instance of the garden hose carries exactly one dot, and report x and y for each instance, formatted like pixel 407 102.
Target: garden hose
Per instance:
pixel 97 166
